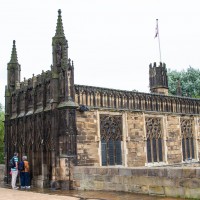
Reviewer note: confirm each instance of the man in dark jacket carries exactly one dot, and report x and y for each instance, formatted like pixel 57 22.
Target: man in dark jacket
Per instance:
pixel 14 172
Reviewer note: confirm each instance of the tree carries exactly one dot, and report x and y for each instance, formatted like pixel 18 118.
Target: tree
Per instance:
pixel 2 117
pixel 189 82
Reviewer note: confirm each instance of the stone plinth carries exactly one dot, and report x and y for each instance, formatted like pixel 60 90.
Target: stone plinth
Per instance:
pixel 162 181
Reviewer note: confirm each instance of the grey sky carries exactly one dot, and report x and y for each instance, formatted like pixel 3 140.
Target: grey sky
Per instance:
pixel 110 41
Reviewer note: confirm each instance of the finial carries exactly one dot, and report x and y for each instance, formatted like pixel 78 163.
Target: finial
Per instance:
pixel 14 54
pixel 72 63
pixel 59 28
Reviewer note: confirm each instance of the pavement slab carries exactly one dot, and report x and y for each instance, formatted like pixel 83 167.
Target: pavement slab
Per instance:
pixel 10 194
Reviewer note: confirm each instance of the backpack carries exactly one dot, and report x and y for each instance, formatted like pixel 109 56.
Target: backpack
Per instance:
pixel 12 163
pixel 21 166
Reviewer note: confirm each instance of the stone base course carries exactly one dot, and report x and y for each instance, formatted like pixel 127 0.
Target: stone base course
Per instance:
pixel 160 181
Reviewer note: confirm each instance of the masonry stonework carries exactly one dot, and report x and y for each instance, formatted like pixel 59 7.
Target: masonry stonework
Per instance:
pixel 87 144
pixel 135 140
pixel 173 139
pixel 60 125
pixel 174 182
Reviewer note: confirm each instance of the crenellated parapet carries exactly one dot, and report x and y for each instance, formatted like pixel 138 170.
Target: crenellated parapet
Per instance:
pixel 96 97
pixel 158 81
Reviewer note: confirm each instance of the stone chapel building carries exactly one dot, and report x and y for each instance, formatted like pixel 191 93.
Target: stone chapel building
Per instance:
pixel 59 124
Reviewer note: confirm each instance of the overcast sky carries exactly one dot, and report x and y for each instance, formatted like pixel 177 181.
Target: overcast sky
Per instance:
pixel 110 41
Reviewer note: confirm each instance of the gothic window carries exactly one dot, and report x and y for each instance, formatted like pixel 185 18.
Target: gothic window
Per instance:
pixel 154 140
pixel 187 139
pixel 111 138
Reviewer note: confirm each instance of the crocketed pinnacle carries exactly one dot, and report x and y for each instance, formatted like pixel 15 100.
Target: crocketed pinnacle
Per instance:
pixel 59 28
pixel 14 54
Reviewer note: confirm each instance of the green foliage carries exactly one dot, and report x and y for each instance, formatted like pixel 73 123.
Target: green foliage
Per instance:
pixel 2 117
pixel 189 81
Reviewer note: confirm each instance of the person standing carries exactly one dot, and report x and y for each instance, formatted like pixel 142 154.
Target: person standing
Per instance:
pixel 14 171
pixel 24 173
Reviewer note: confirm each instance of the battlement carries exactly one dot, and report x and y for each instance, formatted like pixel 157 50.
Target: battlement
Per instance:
pixel 154 65
pixel 158 78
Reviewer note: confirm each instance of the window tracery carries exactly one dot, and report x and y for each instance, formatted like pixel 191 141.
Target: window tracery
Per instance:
pixel 111 137
pixel 154 137
pixel 187 138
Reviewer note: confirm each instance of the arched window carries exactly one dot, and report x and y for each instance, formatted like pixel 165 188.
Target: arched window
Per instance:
pixel 111 138
pixel 154 140
pixel 187 139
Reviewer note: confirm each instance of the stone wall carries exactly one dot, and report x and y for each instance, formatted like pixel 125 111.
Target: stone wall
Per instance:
pixel 87 144
pixel 173 139
pixel 175 182
pixel 136 155
pixel 134 150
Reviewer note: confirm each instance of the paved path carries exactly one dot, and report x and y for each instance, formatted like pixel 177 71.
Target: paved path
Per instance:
pixel 9 194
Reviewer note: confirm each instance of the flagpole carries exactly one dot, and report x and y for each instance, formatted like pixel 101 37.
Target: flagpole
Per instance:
pixel 158 38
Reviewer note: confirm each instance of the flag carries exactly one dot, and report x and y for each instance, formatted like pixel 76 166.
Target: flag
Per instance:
pixel 156 34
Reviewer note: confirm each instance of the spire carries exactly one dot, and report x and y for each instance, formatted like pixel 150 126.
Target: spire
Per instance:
pixel 59 28
pixel 60 46
pixel 13 68
pixel 14 54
